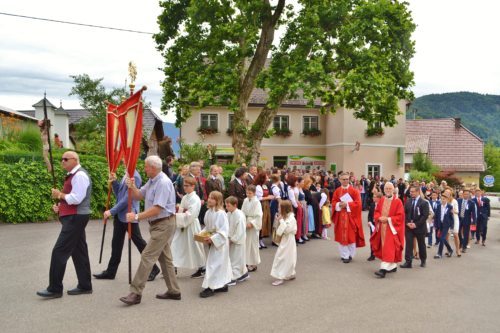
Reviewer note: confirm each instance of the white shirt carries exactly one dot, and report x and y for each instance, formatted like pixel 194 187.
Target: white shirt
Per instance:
pixel 79 184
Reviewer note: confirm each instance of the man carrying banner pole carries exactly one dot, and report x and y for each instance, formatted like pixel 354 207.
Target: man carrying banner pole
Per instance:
pixel 159 196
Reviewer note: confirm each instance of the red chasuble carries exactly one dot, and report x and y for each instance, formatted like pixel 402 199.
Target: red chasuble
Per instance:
pixel 387 246
pixel 348 227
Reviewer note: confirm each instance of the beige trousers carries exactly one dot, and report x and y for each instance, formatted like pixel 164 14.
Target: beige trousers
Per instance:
pixel 158 248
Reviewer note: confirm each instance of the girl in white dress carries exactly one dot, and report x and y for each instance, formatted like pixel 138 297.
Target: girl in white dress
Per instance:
pixel 285 259
pixel 218 268
pixel 253 212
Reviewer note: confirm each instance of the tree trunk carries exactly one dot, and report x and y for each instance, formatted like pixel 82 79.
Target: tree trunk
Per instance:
pixel 259 128
pixel 248 79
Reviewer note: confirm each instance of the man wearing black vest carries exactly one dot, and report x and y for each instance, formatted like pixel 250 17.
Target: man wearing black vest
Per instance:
pixel 74 212
pixel 416 213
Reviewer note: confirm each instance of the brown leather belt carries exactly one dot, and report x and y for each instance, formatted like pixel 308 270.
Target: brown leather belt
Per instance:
pixel 160 220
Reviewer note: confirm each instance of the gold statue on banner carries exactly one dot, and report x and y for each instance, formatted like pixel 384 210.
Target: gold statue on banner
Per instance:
pixel 132 73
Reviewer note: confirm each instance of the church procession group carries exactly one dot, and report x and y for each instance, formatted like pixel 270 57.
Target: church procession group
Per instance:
pixel 198 222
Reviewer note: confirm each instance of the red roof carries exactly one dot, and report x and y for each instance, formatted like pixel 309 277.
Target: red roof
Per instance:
pixel 449 147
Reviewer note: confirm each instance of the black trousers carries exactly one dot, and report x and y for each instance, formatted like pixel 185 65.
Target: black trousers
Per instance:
pixel 119 232
pixel 463 234
pixel 422 249
pixel 481 229
pixel 70 243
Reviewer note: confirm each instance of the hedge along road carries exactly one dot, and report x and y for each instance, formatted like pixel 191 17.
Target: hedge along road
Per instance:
pixel 459 293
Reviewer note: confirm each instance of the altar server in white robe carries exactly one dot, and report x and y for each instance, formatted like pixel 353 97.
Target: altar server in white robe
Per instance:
pixel 285 258
pixel 186 252
pixel 237 237
pixel 218 267
pixel 252 209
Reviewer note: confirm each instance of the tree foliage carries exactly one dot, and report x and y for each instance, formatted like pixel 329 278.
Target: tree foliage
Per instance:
pixel 335 53
pixel 492 159
pixel 93 96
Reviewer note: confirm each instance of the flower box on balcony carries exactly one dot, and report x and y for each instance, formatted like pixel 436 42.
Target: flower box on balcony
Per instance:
pixel 284 132
pixel 311 132
pixel 207 130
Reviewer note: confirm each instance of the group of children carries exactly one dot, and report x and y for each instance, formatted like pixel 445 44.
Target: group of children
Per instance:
pixel 232 238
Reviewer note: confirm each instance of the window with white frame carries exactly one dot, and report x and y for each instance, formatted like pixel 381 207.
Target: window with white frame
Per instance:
pixel 373 170
pixel 281 122
pixel 230 122
pixel 209 120
pixel 310 123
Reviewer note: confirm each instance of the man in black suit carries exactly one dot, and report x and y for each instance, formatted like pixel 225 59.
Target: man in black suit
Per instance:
pixel 466 215
pixel 483 213
pixel 416 213
pixel 237 186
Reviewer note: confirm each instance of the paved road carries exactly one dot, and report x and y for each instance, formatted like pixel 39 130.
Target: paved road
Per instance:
pixel 459 294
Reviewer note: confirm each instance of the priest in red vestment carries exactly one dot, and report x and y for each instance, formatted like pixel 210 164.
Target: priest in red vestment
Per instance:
pixel 347 219
pixel 389 236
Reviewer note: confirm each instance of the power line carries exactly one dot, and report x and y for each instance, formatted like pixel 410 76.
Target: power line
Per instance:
pixel 75 23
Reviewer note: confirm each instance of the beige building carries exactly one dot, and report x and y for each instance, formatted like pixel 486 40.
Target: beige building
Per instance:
pixel 340 144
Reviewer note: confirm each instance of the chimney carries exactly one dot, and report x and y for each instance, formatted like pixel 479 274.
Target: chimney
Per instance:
pixel 458 122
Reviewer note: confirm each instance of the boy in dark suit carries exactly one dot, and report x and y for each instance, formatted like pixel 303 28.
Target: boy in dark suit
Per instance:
pixel 444 225
pixel 466 216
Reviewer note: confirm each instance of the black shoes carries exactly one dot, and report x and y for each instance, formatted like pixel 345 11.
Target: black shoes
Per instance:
pixel 199 273
pixel 79 291
pixel 48 294
pixel 407 264
pixel 371 258
pixel 222 290
pixel 104 276
pixel 449 254
pixel 243 277
pixel 346 261
pixel 315 236
pixel 381 273
pixel 154 272
pixel 207 293
pixel 422 263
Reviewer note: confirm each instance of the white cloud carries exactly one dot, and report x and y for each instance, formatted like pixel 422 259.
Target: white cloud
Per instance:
pixel 456 43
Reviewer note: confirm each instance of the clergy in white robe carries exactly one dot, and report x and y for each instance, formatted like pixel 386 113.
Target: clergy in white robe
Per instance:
pixel 218 267
pixel 253 213
pixel 285 258
pixel 237 236
pixel 186 252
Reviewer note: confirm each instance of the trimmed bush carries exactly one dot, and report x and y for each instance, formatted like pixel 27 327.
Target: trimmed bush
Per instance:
pixel 26 187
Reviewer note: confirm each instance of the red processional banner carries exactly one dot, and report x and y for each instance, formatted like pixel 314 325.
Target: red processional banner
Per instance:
pixel 114 150
pixel 130 128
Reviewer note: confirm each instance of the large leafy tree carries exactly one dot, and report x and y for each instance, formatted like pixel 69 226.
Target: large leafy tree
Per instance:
pixel 334 53
pixel 93 96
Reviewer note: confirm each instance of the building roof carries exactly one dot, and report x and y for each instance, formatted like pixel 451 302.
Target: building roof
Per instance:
pixel 47 103
pixel 451 145
pixel 416 143
pixel 260 96
pixel 18 114
pixel 148 118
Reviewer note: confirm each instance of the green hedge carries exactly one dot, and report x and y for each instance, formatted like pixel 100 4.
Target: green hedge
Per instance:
pixel 25 186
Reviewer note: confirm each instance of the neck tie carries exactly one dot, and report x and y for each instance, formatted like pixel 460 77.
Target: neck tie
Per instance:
pixel 462 209
pixel 412 215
